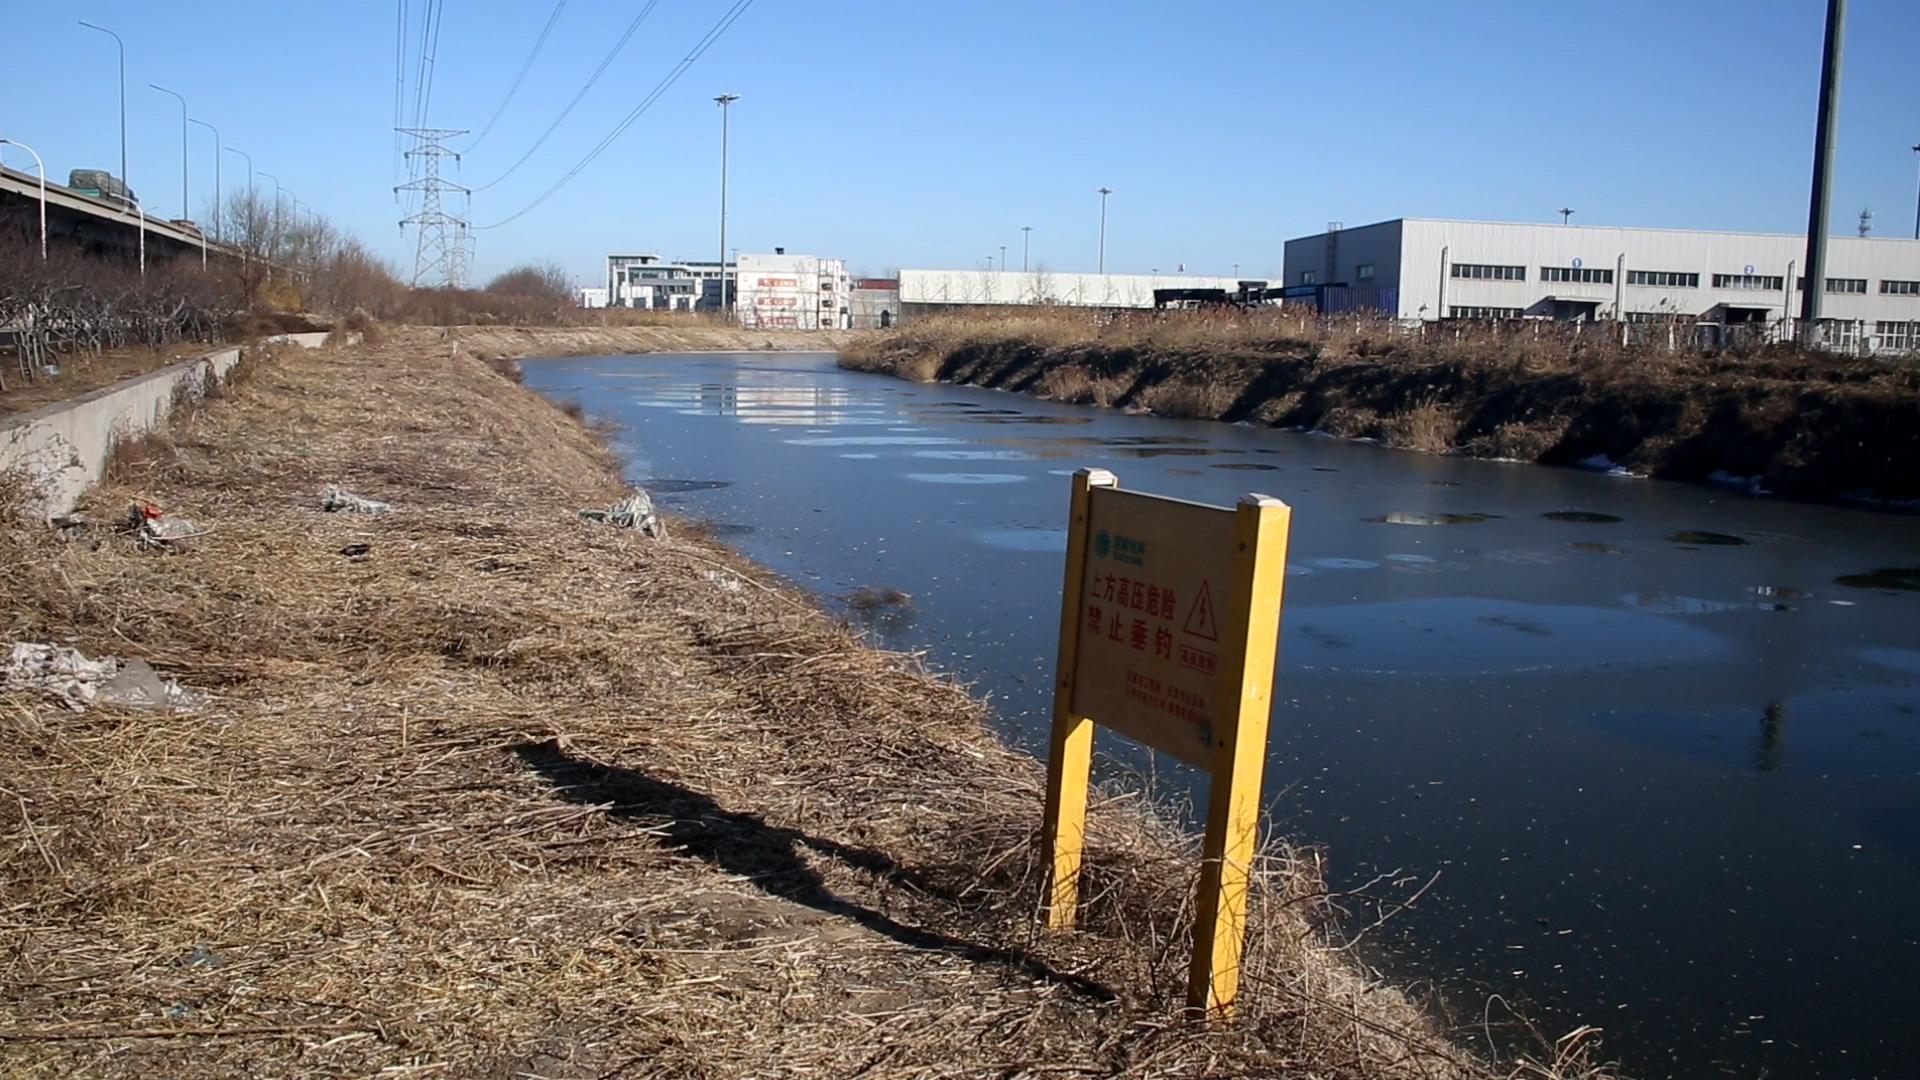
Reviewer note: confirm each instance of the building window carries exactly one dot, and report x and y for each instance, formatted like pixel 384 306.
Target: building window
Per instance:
pixel 1664 279
pixel 1363 272
pixel 1309 277
pixel 1900 288
pixel 1840 333
pixel 1898 336
pixel 1750 281
pixel 1578 274
pixel 1488 272
pixel 1456 312
pixel 1835 284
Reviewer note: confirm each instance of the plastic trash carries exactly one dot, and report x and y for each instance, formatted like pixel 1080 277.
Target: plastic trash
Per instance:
pixel 633 512
pixel 154 527
pixel 335 500
pixel 79 682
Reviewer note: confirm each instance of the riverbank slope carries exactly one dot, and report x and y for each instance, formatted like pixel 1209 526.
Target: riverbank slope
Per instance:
pixel 519 342
pixel 485 789
pixel 1807 425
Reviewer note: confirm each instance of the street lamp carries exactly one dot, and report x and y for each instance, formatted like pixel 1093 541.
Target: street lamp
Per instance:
pixel 1104 192
pixel 218 210
pixel 1026 242
pixel 123 95
pixel 275 223
pixel 42 166
pixel 184 215
pixel 724 101
pixel 1916 203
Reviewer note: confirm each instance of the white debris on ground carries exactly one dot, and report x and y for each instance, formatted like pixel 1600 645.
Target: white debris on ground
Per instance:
pixel 335 500
pixel 727 580
pixel 633 512
pixel 78 682
pixel 154 527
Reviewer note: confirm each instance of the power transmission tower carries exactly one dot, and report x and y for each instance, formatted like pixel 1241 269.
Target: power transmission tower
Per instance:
pixel 437 255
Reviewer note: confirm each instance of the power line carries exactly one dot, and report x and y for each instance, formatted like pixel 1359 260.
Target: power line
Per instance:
pixel 632 27
pixel 700 47
pixel 517 79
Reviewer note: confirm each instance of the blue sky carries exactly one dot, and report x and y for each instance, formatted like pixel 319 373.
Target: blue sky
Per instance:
pixel 926 133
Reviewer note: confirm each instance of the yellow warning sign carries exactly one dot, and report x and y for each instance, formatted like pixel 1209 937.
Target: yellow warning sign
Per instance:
pixel 1148 661
pixel 1168 625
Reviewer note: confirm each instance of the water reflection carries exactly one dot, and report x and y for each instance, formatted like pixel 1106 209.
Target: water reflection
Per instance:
pixel 1772 751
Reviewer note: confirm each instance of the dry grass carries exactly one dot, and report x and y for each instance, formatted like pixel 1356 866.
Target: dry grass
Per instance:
pixel 83 372
pixel 518 795
pixel 1810 424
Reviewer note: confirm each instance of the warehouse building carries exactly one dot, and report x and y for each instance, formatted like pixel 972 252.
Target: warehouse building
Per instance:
pixel 876 303
pixel 793 292
pixel 926 291
pixel 1425 268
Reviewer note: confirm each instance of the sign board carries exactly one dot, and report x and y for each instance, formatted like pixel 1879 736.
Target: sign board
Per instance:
pixel 1170 616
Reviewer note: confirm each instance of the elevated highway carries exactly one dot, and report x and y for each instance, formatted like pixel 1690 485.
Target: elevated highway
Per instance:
pixel 95 225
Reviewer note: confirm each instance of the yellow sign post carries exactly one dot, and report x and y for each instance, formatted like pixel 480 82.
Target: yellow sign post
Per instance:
pixel 1168 625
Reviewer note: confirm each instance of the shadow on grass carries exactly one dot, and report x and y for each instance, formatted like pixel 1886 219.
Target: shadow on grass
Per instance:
pixel 694 825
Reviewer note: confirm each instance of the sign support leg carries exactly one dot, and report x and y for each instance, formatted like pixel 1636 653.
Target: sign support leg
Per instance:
pixel 1070 750
pixel 1233 802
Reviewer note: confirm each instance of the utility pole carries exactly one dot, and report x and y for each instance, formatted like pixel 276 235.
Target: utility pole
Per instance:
pixel 1026 239
pixel 1566 215
pixel 123 94
pixel 1003 256
pixel 1104 192
pixel 1822 175
pixel 218 210
pixel 433 255
pixel 185 215
pixel 725 101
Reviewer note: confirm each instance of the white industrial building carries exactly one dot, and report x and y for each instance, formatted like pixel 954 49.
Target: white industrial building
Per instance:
pixel 925 291
pixel 1425 268
pixel 793 292
pixel 642 280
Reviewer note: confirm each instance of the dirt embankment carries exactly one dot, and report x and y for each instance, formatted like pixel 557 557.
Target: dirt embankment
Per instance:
pixel 1807 425
pixel 485 789
pixel 517 342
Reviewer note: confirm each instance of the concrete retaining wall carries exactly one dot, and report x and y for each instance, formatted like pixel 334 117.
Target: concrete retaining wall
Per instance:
pixel 63 448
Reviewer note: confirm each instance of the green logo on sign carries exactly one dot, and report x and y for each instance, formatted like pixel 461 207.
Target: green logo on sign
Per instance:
pixel 1101 543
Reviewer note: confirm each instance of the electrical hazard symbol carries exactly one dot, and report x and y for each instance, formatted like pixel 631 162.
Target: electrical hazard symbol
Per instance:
pixel 1200 620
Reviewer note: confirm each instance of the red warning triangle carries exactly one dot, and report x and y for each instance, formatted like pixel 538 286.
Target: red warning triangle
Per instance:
pixel 1200 619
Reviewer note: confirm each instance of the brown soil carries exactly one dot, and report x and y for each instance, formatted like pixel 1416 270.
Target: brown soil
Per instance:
pixel 504 793
pixel 1808 425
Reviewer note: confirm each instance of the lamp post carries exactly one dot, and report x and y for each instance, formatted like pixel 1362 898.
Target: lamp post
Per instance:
pixel 725 101
pixel 184 214
pixel 1104 192
pixel 218 210
pixel 1026 241
pixel 1916 202
pixel 42 167
pixel 123 94
pixel 1822 173
pixel 273 224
